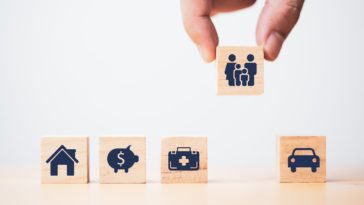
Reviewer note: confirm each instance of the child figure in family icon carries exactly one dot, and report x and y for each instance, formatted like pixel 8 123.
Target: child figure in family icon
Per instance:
pixel 237 73
pixel 240 77
pixel 244 77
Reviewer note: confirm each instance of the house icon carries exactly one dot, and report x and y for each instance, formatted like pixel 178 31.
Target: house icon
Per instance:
pixel 63 156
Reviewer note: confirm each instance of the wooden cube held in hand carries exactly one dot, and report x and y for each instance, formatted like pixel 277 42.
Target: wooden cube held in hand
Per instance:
pixel 240 70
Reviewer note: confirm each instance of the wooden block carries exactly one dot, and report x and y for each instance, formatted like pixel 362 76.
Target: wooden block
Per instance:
pixel 240 70
pixel 122 160
pixel 302 158
pixel 184 160
pixel 65 160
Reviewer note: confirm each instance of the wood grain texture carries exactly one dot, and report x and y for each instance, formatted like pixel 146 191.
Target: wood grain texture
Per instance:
pixel 286 144
pixel 197 144
pixel 241 53
pixel 136 174
pixel 50 144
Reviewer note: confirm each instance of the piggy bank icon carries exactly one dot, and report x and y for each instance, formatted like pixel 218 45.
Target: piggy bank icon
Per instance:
pixel 122 158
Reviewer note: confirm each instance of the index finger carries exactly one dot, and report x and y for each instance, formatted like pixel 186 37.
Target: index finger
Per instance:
pixel 198 25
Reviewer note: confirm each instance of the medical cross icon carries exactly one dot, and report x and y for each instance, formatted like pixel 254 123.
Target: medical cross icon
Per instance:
pixel 183 160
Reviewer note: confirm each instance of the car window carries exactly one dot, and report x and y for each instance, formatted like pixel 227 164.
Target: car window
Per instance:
pixel 303 152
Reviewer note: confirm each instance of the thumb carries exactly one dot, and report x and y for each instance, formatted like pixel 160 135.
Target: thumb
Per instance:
pixel 276 21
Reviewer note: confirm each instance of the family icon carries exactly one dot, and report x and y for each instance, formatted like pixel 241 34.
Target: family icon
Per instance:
pixel 238 76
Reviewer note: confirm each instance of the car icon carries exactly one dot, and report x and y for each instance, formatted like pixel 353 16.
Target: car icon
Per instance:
pixel 303 157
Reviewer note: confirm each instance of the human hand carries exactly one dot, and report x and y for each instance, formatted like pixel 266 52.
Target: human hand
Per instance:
pixel 276 20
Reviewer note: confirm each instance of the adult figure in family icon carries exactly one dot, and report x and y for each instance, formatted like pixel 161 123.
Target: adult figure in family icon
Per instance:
pixel 229 70
pixel 237 76
pixel 252 69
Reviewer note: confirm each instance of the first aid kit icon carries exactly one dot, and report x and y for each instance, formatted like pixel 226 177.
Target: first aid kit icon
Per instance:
pixel 184 159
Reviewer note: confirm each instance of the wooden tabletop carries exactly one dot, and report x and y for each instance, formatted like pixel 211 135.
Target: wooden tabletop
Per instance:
pixel 226 187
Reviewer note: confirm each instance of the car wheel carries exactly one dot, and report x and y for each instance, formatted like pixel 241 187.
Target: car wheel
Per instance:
pixel 293 169
pixel 314 169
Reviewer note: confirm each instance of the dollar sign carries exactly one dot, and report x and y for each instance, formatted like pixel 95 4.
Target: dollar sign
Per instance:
pixel 121 158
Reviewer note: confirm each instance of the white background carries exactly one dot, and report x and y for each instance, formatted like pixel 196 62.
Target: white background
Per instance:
pixel 111 67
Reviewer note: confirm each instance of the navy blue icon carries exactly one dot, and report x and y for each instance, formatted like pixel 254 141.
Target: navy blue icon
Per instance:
pixel 303 157
pixel 238 76
pixel 122 158
pixel 229 70
pixel 63 156
pixel 183 159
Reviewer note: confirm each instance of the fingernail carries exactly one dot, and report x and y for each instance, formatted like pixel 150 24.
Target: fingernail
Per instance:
pixel 273 45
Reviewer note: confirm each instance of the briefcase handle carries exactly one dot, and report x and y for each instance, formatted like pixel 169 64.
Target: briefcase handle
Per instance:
pixel 181 149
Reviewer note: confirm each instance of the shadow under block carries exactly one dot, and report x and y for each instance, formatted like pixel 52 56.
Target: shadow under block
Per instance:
pixel 253 78
pixel 297 162
pixel 178 147
pixel 65 160
pixel 126 165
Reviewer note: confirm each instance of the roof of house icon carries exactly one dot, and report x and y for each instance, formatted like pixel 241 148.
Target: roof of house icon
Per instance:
pixel 71 153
